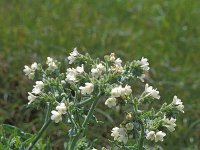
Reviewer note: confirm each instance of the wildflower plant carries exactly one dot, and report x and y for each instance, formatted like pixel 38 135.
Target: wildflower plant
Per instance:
pixel 72 96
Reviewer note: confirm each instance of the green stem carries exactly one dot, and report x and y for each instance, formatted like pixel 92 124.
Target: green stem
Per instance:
pixel 44 127
pixel 84 102
pixel 90 113
pixel 141 140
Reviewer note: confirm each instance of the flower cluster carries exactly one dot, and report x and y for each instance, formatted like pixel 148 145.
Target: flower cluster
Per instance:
pixel 72 73
pixel 157 136
pixel 30 71
pixel 57 115
pixel 89 81
pixel 119 134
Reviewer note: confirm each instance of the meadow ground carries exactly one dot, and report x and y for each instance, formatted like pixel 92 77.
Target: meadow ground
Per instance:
pixel 166 32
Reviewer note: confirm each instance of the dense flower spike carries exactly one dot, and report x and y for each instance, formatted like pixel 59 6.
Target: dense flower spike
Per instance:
pixel 72 97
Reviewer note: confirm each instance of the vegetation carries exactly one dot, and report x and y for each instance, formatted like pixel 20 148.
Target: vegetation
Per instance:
pixel 166 32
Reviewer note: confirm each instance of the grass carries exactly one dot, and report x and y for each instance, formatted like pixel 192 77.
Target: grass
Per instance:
pixel 166 32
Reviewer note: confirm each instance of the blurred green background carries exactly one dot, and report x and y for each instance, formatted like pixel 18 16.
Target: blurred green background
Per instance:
pixel 166 32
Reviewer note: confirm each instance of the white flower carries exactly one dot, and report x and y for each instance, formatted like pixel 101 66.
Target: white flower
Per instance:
pixel 34 66
pixel 61 108
pixel 101 67
pixel 80 69
pixel 118 62
pixel 87 89
pixel 73 56
pixel 71 75
pixel 30 71
pixel 51 63
pixel 56 116
pixel 143 63
pixel 127 90
pixel 169 123
pixel 119 134
pixel 31 97
pixel 159 136
pixel 111 102
pixel 96 72
pixel 155 136
pixel 178 103
pixel 120 91
pixel 38 87
pixel 129 126
pixel 112 57
pixel 152 92
pixel 150 135
pixel 94 148
pixel 116 92
pixel 27 70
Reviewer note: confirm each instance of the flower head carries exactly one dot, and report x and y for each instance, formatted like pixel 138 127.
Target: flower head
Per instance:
pixel 87 89
pixel 169 123
pixel 61 108
pixel 111 102
pixel 31 98
pixel 56 116
pixel 51 63
pixel 143 63
pixel 119 134
pixel 30 71
pixel 178 104
pixel 73 56
pixel 38 87
pixel 152 92
pixel 158 136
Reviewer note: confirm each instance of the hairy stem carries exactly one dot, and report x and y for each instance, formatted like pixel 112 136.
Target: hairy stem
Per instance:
pixel 141 140
pixel 44 127
pixel 90 113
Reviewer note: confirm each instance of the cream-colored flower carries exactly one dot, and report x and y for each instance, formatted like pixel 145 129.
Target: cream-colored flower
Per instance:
pixel 87 89
pixel 158 136
pixel 38 87
pixel 119 134
pixel 31 98
pixel 61 108
pixel 111 102
pixel 73 56
pixel 150 135
pixel 169 123
pixel 56 116
pixel 143 63
pixel 178 104
pixel 152 92
pixel 51 63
